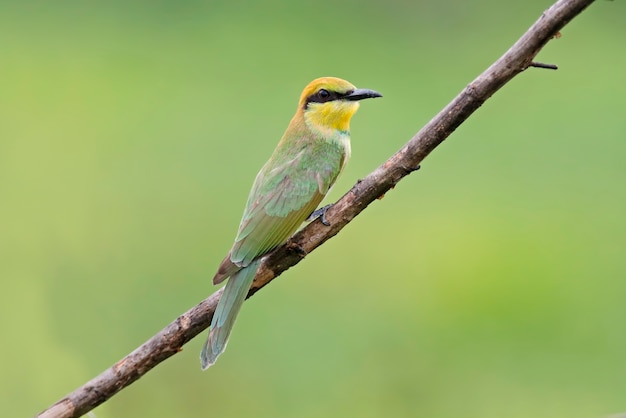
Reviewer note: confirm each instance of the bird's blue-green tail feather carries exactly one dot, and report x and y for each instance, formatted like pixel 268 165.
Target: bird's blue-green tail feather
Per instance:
pixel 228 307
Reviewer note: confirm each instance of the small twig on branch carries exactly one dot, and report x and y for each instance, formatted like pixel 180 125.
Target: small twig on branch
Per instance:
pixel 170 340
pixel 542 65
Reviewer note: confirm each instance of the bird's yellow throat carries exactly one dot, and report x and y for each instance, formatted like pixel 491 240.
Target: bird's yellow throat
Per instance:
pixel 333 115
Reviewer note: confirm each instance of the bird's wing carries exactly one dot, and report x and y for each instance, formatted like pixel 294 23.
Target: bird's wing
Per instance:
pixel 282 197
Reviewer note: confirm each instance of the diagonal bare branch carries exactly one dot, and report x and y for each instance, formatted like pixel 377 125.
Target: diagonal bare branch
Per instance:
pixel 170 340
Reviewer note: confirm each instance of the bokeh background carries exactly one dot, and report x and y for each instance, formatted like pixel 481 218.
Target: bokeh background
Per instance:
pixel 492 283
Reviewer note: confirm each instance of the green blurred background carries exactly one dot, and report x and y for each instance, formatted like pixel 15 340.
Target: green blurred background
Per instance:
pixel 489 284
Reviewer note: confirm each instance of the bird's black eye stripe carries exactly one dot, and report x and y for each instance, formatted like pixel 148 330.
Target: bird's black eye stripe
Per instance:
pixel 323 96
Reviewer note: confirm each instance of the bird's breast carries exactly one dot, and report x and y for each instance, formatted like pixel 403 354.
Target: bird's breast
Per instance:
pixel 342 139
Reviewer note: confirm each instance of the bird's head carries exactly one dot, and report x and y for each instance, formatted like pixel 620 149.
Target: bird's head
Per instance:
pixel 328 103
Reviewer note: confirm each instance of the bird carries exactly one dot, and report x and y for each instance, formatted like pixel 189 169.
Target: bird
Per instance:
pixel 305 164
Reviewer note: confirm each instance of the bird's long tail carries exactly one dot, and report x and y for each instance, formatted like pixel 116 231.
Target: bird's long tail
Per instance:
pixel 228 307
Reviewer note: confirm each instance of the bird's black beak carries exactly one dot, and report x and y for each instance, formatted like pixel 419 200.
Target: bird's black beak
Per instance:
pixel 360 94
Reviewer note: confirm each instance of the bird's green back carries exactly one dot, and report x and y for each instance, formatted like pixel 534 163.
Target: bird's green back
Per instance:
pixel 288 188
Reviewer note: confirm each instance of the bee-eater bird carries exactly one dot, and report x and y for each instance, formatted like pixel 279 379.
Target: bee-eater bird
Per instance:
pixel 312 152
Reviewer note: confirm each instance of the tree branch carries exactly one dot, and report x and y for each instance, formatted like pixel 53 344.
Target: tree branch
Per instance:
pixel 170 340
pixel 543 65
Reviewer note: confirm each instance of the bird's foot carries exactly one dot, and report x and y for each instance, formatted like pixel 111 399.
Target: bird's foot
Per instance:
pixel 320 213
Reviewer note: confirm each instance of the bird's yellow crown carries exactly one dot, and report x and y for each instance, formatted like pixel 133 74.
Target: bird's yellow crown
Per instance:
pixel 323 107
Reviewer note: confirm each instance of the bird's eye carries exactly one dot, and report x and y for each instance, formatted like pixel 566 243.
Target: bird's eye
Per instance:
pixel 323 93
